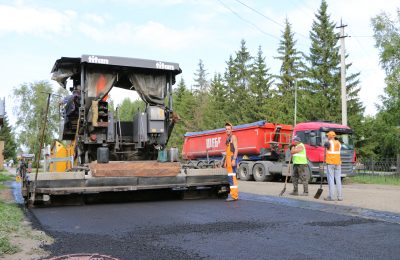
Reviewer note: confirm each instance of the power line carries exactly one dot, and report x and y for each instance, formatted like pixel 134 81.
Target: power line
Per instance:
pixel 362 48
pixel 363 36
pixel 247 21
pixel 266 17
pixel 296 5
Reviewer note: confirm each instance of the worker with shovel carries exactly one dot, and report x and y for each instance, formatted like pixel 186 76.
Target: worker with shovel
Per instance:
pixel 333 166
pixel 300 163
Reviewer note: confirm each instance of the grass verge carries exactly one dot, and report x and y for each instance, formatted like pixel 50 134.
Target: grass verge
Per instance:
pixel 377 179
pixel 10 219
pixel 4 177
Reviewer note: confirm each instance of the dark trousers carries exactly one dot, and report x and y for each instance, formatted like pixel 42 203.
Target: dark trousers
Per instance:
pixel 300 175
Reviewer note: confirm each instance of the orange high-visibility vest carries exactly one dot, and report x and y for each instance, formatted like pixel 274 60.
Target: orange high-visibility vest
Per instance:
pixel 230 150
pixel 333 153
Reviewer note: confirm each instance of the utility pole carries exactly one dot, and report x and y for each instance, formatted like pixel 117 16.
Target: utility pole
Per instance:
pixel 295 103
pixel 343 73
pixel 33 193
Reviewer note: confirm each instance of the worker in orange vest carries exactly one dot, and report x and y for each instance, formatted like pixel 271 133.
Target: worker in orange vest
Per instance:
pixel 333 162
pixel 231 162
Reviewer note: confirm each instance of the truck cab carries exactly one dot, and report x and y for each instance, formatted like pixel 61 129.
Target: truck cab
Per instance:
pixel 313 135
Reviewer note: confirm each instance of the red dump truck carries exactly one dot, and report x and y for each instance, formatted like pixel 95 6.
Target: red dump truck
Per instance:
pixel 263 148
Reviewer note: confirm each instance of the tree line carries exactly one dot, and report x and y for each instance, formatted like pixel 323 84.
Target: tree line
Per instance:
pixel 247 91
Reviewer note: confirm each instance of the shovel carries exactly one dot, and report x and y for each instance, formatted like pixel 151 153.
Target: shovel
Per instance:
pixel 320 190
pixel 284 188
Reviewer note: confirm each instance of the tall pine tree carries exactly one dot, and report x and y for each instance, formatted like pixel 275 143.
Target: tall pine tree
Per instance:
pixel 237 78
pixel 323 71
pixel 216 113
pixel 323 96
pixel 290 76
pixel 260 96
pixel 201 95
pixel 201 82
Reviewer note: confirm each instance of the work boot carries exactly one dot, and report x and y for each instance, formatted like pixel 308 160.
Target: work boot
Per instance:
pixel 329 199
pixel 340 199
pixel 230 199
pixel 294 193
pixel 304 194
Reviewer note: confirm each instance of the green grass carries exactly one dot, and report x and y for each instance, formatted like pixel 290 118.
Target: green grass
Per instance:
pixel 4 177
pixel 10 219
pixel 370 179
pixel 6 247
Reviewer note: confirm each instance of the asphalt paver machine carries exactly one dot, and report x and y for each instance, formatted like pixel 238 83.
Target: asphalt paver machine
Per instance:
pixel 112 155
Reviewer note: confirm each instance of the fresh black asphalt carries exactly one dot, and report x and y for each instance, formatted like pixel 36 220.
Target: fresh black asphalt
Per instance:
pixel 256 227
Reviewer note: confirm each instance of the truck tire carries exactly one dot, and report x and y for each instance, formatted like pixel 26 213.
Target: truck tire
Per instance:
pixel 200 165
pixel 245 173
pixel 191 164
pixel 259 172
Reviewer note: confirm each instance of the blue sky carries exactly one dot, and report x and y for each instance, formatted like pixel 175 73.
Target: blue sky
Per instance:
pixel 33 34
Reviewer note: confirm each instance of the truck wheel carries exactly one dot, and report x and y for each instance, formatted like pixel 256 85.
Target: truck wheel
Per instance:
pixel 259 172
pixel 217 164
pixel 191 164
pixel 210 164
pixel 200 165
pixel 244 172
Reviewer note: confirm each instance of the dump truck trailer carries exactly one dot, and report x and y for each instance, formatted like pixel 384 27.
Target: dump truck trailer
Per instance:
pixel 111 155
pixel 261 149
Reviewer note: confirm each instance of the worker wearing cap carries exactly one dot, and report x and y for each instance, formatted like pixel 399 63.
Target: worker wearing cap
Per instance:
pixel 300 164
pixel 231 162
pixel 333 162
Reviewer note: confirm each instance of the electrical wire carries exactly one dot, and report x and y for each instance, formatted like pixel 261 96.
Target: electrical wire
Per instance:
pixel 247 21
pixel 254 10
pixel 266 17
pixel 358 42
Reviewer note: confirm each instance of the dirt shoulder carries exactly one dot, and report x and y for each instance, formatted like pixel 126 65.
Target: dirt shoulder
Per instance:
pixel 26 237
pixel 369 196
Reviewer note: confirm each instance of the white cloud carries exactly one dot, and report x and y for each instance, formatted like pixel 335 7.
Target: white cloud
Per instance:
pixel 98 19
pixel 204 17
pixel 150 2
pixel 37 21
pixel 372 86
pixel 152 34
